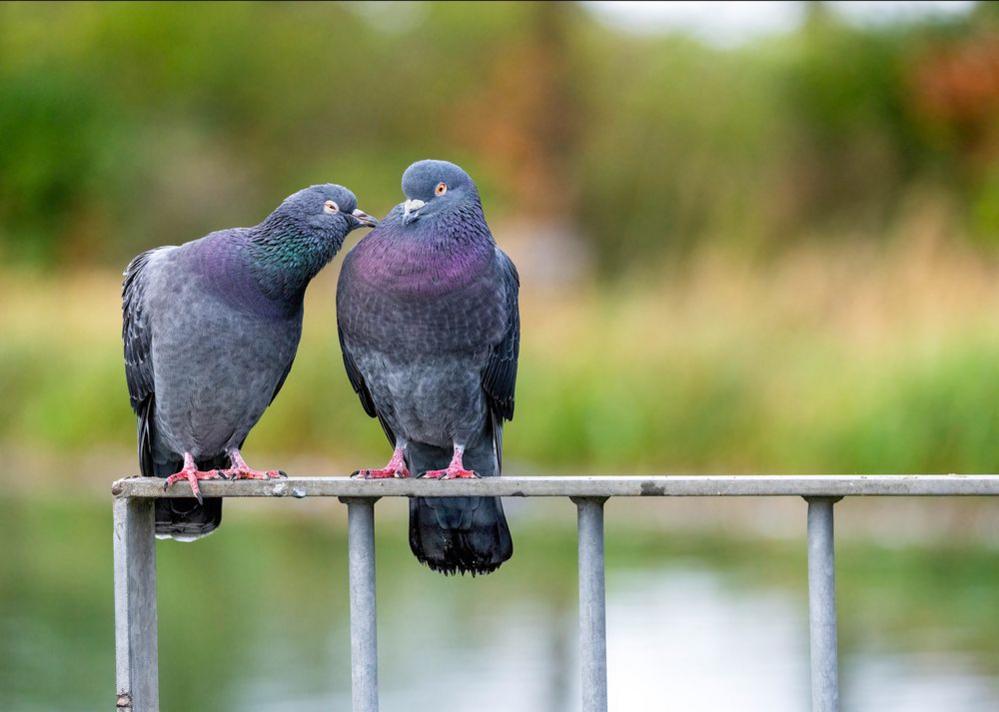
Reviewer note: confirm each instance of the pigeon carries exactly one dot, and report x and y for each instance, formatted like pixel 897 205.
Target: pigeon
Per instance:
pixel 429 329
pixel 210 330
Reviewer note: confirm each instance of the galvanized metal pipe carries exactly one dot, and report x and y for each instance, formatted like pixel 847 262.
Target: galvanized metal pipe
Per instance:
pixel 592 603
pixel 136 664
pixel 588 486
pixel 363 623
pixel 822 604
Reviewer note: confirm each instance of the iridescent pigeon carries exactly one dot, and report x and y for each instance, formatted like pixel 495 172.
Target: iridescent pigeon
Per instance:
pixel 430 330
pixel 211 328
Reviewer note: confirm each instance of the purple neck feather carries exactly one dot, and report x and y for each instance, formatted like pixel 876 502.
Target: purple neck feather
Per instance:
pixel 430 256
pixel 261 269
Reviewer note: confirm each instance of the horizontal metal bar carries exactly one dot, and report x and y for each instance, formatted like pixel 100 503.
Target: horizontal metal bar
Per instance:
pixel 571 486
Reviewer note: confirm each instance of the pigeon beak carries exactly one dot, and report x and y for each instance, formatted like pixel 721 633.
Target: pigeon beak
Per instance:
pixel 410 210
pixel 364 219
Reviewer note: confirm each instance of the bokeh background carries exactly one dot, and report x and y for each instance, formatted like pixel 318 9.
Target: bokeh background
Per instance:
pixel 753 237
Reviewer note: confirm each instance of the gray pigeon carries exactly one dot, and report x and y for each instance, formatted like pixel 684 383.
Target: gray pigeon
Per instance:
pixel 430 331
pixel 211 329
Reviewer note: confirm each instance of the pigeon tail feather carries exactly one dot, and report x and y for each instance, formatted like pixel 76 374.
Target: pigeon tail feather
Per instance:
pixel 182 518
pixel 453 535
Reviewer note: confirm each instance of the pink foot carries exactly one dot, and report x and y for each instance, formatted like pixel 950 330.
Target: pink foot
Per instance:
pixel 241 471
pixel 381 473
pixel 192 474
pixel 455 471
pixel 396 467
pixel 451 473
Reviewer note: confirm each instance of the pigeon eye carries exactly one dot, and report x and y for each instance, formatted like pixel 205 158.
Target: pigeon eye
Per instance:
pixel 331 207
pixel 441 188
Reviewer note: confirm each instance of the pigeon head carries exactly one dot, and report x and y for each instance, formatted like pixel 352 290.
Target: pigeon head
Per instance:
pixel 433 188
pixel 305 232
pixel 323 209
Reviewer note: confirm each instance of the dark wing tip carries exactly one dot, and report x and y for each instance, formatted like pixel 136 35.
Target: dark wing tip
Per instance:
pixel 499 379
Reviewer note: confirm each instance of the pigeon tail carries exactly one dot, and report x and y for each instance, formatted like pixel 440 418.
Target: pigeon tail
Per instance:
pixel 458 534
pixel 182 518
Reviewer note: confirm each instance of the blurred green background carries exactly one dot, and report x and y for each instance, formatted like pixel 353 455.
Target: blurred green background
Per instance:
pixel 775 251
pixel 774 256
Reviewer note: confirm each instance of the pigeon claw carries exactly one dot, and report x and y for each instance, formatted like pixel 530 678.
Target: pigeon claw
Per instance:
pixel 245 473
pixel 451 473
pixel 192 476
pixel 382 473
pixel 239 470
pixel 395 468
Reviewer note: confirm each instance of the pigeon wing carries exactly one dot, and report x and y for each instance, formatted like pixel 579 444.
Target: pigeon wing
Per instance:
pixel 361 388
pixel 136 334
pixel 500 376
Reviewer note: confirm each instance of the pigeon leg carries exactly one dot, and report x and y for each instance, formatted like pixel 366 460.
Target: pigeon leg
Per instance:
pixel 455 471
pixel 192 474
pixel 241 471
pixel 396 467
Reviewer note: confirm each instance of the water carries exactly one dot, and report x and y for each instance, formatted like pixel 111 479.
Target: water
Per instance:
pixel 254 619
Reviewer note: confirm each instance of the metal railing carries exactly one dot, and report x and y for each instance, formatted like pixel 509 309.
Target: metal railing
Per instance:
pixel 135 558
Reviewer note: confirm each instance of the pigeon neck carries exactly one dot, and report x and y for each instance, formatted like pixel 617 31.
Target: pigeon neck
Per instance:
pixel 285 256
pixel 432 256
pixel 462 225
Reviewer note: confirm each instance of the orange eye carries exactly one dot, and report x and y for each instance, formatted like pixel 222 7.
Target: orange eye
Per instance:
pixel 441 188
pixel 331 207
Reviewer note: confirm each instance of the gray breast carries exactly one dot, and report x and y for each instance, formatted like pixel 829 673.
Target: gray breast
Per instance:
pixel 216 368
pixel 426 397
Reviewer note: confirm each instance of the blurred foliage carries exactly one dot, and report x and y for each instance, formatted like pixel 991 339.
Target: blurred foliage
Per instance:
pixel 129 125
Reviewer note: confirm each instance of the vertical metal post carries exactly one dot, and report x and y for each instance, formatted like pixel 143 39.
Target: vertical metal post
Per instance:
pixel 822 604
pixel 363 622
pixel 592 605
pixel 136 664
